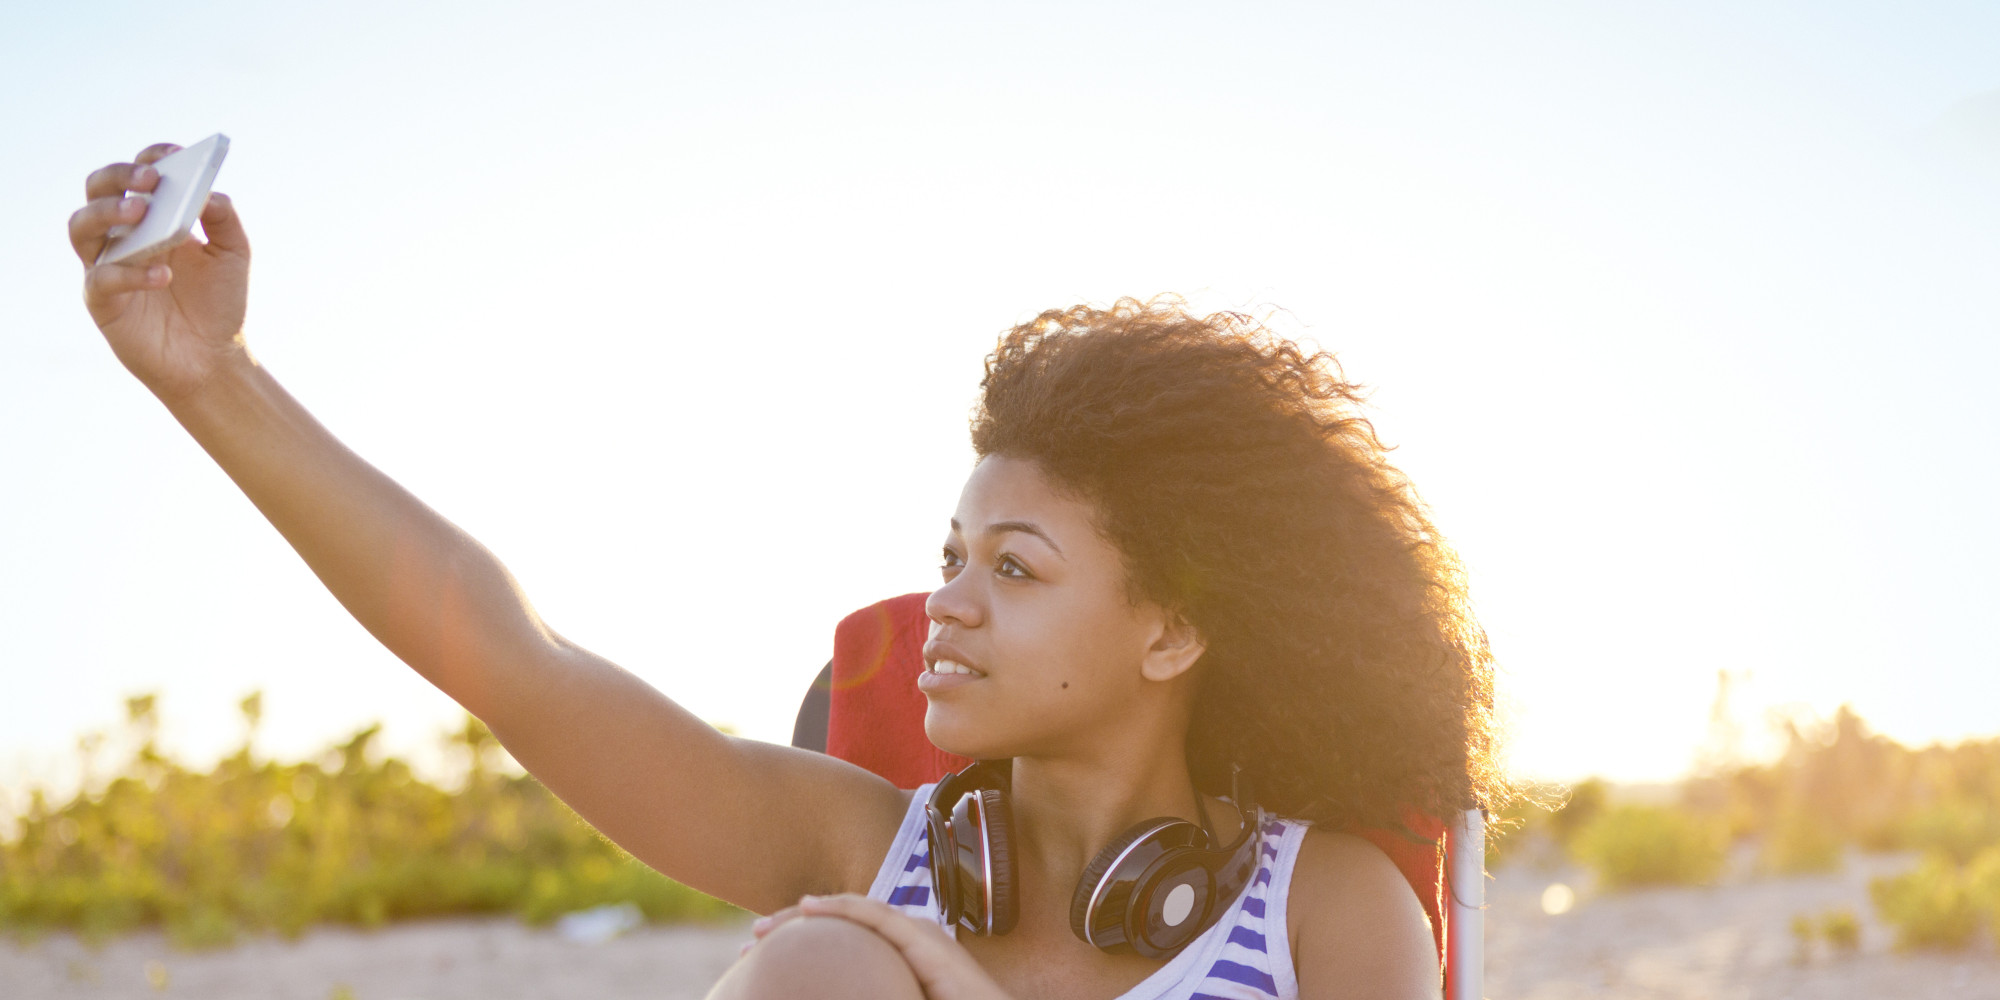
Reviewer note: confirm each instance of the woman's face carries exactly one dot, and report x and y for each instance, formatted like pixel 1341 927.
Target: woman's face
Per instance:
pixel 1034 603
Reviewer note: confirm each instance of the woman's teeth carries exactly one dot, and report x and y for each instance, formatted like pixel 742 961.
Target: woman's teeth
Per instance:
pixel 949 667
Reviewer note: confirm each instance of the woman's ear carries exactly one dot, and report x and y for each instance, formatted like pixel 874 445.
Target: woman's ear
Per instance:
pixel 1175 649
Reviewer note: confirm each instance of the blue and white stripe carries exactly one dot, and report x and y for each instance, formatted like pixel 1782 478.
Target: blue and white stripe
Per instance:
pixel 1245 956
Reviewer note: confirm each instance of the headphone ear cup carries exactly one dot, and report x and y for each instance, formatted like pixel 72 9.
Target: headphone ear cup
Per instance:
pixel 1093 873
pixel 1000 854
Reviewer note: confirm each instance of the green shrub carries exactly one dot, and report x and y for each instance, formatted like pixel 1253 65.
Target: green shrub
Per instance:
pixel 1842 930
pixel 1930 906
pixel 1540 816
pixel 1803 933
pixel 1958 828
pixel 1860 788
pixel 1838 927
pixel 1634 845
pixel 1800 844
pixel 255 845
pixel 1585 801
pixel 1982 888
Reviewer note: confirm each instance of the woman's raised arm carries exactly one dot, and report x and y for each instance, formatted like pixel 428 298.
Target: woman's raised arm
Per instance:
pixel 749 822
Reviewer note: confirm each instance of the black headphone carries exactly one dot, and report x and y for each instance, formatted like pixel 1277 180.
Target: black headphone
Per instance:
pixel 1154 889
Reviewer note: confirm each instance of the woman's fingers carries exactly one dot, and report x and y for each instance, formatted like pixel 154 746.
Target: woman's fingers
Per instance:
pixel 115 179
pixel 944 968
pixel 763 925
pixel 922 943
pixel 106 280
pixel 156 151
pixel 90 225
pixel 879 917
pixel 139 175
pixel 108 204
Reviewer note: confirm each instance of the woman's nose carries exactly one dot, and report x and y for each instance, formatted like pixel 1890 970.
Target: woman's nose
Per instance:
pixel 953 603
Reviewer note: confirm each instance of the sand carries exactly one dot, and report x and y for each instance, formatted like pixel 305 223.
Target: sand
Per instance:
pixel 1730 941
pixel 443 960
pixel 1722 943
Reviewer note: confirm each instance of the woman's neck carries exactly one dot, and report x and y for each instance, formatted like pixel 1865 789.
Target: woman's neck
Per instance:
pixel 1065 810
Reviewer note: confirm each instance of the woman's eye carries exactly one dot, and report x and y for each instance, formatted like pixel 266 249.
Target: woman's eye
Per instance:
pixel 951 560
pixel 1007 564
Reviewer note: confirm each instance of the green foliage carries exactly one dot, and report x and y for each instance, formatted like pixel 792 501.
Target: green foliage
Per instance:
pixel 1803 932
pixel 1514 828
pixel 1957 828
pixel 1586 800
pixel 1954 820
pixel 1839 927
pixel 1842 930
pixel 1837 785
pixel 1982 887
pixel 1633 845
pixel 257 845
pixel 1801 844
pixel 1929 906
pixel 1542 816
pixel 1838 780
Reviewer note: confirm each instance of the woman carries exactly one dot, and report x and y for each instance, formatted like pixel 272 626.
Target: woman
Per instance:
pixel 1181 561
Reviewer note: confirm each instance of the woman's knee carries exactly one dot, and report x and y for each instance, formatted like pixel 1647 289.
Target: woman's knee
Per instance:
pixel 820 957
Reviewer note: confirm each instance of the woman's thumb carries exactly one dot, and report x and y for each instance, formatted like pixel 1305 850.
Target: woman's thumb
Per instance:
pixel 221 225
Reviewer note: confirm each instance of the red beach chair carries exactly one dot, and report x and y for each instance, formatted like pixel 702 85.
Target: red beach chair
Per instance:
pixel 865 709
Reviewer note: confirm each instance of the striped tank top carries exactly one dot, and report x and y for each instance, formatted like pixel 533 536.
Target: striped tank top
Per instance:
pixel 1245 956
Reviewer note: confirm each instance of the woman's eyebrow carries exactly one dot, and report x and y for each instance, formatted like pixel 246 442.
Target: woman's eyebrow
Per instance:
pixel 1003 527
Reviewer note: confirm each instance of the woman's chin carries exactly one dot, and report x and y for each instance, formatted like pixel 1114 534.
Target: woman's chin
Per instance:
pixel 950 731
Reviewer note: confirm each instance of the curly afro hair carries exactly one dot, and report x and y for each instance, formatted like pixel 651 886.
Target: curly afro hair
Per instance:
pixel 1233 471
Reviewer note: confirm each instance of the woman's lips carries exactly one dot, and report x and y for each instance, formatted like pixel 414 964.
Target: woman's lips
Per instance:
pixel 944 675
pixel 930 683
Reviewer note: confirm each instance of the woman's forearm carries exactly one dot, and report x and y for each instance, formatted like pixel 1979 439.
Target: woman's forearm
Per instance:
pixel 428 591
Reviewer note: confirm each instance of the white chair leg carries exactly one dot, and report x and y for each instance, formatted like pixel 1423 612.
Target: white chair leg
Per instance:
pixel 1465 928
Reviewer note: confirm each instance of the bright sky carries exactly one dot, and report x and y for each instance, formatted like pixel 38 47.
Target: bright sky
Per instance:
pixel 1683 318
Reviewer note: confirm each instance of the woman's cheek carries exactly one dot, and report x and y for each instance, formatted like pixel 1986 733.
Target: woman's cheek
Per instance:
pixel 1010 717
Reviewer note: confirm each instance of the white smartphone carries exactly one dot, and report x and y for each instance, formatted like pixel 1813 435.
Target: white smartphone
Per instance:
pixel 185 177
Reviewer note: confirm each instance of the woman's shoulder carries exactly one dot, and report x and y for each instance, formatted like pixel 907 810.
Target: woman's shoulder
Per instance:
pixel 1352 918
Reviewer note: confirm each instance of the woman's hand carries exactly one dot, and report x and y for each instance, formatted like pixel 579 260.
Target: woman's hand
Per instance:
pixel 946 970
pixel 174 318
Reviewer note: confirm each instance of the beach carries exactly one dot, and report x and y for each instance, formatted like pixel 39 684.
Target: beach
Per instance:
pixel 1727 942
pixel 1716 943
